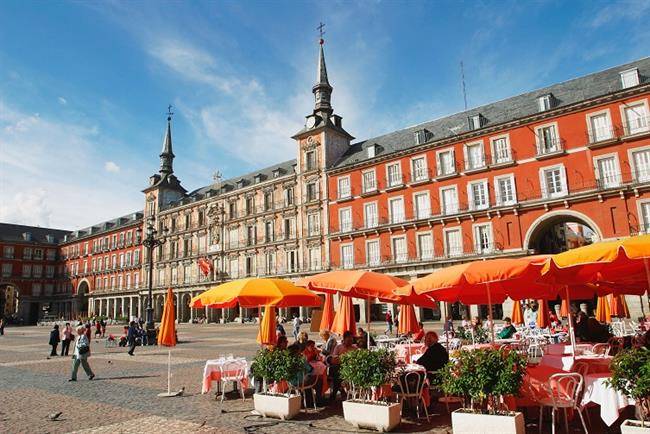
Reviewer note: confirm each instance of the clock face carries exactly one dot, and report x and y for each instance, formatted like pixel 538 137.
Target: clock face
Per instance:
pixel 311 121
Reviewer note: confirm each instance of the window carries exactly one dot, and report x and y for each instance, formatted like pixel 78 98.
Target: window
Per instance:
pixel 136 257
pixel 636 119
pixel 268 200
pixel 400 253
pixel 289 228
pixel 250 265
pixel 27 270
pixel 607 172
pixel 344 191
pixel 51 254
pixel 347 256
pixel 449 200
pixel 476 121
pixel 446 163
pixel 345 219
pixel 162 279
pixel 394 173
pixel 174 276
pixel 501 150
pixel 504 187
pixel 269 261
pixel 268 231
pixel 6 270
pixel 369 181
pixel 425 246
pixel 27 253
pixel 136 280
pixel 396 208
pixel 312 192
pixel 38 254
pixel 288 196
pixel 371 151
pixel 547 140
pixel 232 212
pixel 545 102
pixel 629 78
pixel 251 235
pixel 128 281
pixel 310 160
pixel 422 136
pixel 36 289
pixel 314 258
pixel 644 210
pixel 250 205
pixel 478 195
pixel 313 224
pixel 553 182
pixel 8 252
pixel 233 237
pixel 234 267
pixel 107 265
pixel 474 157
pixel 419 169
pixel 370 218
pixel 483 238
pixel 373 257
pixel 453 242
pixel 292 261
pixel 600 127
pixel 38 271
pixel 422 206
pixel 641 165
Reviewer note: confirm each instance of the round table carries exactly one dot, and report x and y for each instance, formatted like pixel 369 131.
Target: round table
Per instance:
pixel 597 391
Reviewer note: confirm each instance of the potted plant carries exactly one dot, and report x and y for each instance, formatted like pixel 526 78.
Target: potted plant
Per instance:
pixel 365 371
pixel 276 367
pixel 483 378
pixel 631 377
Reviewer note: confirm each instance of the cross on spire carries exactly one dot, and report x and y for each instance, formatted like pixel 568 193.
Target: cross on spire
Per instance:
pixel 321 32
pixel 170 113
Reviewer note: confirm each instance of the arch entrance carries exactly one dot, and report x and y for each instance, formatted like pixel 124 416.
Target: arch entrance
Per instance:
pixel 558 232
pixel 82 298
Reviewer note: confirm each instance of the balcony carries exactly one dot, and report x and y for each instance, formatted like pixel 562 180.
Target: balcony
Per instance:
pixel 420 175
pixel 609 181
pixel 549 148
pixel 448 171
pixel 503 158
pixel 369 189
pixel 640 125
pixel 394 181
pixel 604 136
pixel 476 164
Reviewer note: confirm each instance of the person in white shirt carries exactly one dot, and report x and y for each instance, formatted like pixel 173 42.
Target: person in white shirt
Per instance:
pixel 296 327
pixel 80 355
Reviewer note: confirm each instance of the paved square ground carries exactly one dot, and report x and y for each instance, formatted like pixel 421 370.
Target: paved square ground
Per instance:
pixel 122 399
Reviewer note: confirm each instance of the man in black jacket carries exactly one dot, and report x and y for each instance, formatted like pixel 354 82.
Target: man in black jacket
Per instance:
pixel 435 357
pixel 55 338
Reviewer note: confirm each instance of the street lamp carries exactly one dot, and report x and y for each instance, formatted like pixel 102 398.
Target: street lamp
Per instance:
pixel 150 241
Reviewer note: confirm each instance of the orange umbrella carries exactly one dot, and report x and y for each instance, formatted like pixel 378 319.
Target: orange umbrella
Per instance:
pixel 344 319
pixel 618 306
pixel 564 308
pixel 517 313
pixel 267 334
pixel 167 337
pixel 603 313
pixel 328 313
pixel 355 283
pixel 543 318
pixel 408 322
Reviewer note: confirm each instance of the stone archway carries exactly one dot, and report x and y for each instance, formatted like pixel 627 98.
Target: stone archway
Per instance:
pixel 8 300
pixel 558 231
pixel 185 308
pixel 83 288
pixel 159 302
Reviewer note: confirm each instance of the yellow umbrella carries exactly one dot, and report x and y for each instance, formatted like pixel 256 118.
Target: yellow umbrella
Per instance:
pixel 603 313
pixel 267 334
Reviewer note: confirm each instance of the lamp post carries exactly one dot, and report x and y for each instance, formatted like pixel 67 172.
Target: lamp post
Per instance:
pixel 151 241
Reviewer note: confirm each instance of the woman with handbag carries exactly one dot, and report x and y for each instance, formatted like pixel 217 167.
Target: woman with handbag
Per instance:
pixel 81 353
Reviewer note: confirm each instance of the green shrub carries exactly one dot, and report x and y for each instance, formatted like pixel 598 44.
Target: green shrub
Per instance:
pixel 483 376
pixel 481 335
pixel 631 376
pixel 276 365
pixel 365 369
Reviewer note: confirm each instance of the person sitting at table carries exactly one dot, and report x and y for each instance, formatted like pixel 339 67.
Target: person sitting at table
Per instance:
pixel 508 330
pixel 476 323
pixel 310 352
pixel 420 334
pixel 530 315
pixel 279 330
pixel 281 344
pixel 329 342
pixel 362 339
pixel 448 328
pixel 436 356
pixel 306 376
pixel 302 339
pixel 346 345
pixel 580 328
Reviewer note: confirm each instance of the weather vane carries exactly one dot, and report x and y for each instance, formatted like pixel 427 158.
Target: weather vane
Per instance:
pixel 321 32
pixel 169 111
pixel 217 176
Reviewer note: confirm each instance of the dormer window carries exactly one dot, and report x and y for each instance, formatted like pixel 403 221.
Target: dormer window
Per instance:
pixel 423 136
pixel 372 151
pixel 258 178
pixel 477 121
pixel 27 236
pixel 49 238
pixel 276 173
pixel 629 78
pixel 240 183
pixel 545 102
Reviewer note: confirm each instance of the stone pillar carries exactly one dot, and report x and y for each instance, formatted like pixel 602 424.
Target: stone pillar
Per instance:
pixel 122 311
pixel 114 308
pixel 139 300
pixel 179 299
pixel 473 310
pixel 191 312
pixel 207 318
pixel 507 307
pixel 362 311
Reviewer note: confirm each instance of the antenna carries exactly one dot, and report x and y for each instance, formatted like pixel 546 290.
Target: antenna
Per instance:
pixel 462 78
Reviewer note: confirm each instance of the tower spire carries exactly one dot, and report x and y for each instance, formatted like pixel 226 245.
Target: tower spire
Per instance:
pixel 167 155
pixel 322 89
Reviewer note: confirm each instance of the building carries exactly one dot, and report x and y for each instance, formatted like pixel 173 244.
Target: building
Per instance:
pixel 540 172
pixel 32 283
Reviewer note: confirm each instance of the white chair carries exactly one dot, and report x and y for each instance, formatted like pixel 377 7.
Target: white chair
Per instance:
pixel 601 349
pixel 412 386
pixel 563 391
pixel 232 371
pixel 304 387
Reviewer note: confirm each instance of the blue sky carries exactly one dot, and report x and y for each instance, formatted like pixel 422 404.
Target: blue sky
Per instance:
pixel 84 85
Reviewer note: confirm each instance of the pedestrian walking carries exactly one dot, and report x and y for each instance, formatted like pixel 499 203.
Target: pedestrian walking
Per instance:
pixel 131 336
pixel 81 354
pixel 88 331
pixel 102 323
pixel 296 326
pixel 2 326
pixel 389 323
pixel 55 338
pixel 67 338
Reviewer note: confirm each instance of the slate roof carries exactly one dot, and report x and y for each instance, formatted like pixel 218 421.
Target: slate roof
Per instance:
pixel 109 225
pixel 14 233
pixel 565 93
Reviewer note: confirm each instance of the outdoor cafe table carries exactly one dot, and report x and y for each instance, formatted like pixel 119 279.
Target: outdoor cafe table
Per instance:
pixel 320 370
pixel 611 402
pixel 213 371
pixel 387 342
pixel 387 390
pixel 597 363
pixel 532 388
pixel 405 351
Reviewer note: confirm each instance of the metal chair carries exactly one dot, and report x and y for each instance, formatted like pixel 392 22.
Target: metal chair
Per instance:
pixel 232 371
pixel 304 387
pixel 412 386
pixel 563 392
pixel 601 349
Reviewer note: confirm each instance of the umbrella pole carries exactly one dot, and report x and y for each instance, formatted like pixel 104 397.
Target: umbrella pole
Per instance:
pixel 169 371
pixel 572 336
pixel 368 321
pixel 490 311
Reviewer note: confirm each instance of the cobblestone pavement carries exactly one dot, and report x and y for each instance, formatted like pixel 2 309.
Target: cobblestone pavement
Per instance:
pixel 122 398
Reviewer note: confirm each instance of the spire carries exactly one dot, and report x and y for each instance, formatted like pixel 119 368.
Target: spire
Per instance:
pixel 167 156
pixel 322 89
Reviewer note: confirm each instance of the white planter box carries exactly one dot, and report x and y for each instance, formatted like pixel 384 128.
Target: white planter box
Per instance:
pixel 278 406
pixel 475 423
pixel 375 416
pixel 632 426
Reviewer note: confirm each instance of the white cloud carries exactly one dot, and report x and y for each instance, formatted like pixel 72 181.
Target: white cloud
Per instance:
pixel 27 206
pixel 111 167
pixel 630 10
pixel 62 100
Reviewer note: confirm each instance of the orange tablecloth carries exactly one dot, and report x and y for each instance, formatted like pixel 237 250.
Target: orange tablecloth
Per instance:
pixel 405 351
pixel 213 371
